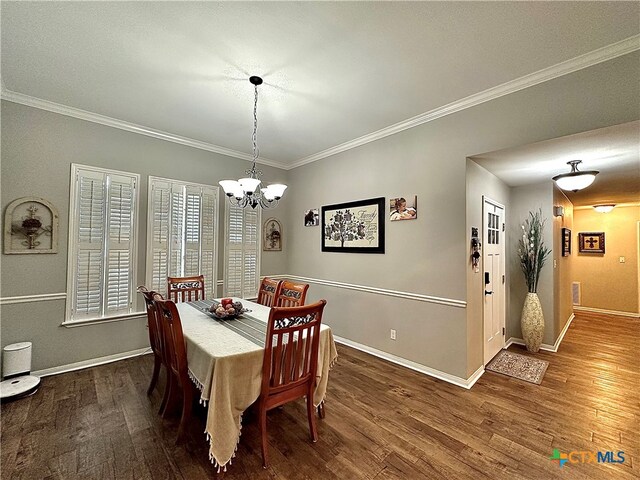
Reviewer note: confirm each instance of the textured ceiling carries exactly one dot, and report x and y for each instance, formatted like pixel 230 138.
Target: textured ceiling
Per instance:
pixel 613 151
pixel 334 71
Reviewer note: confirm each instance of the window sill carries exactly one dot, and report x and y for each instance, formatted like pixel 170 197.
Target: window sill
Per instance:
pixel 101 320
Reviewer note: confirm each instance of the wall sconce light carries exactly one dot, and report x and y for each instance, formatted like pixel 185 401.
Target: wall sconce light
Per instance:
pixel 604 208
pixel 558 211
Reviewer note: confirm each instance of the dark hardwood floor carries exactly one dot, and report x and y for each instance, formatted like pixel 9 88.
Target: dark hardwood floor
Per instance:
pixel 383 421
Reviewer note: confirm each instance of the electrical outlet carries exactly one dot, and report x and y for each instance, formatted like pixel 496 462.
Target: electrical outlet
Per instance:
pixel 622 259
pixel 393 334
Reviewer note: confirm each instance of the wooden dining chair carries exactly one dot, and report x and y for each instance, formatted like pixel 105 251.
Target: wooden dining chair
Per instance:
pixel 185 289
pixel 176 356
pixel 290 363
pixel 156 339
pixel 269 290
pixel 291 294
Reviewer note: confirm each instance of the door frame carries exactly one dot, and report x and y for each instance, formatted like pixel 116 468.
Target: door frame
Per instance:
pixel 503 246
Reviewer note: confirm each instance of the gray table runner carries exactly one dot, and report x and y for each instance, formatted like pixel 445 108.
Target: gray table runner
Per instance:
pixel 249 327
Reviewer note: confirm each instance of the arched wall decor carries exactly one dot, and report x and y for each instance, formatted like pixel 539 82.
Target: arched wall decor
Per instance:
pixel 30 226
pixel 272 235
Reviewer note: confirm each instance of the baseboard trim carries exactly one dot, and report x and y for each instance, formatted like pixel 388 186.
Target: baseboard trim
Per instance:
pixel 432 372
pixel 545 346
pixel 606 312
pixel 451 302
pixel 42 297
pixel 556 345
pixel 94 362
pixel 519 341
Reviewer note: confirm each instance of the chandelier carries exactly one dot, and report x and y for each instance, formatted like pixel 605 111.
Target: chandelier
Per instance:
pixel 245 192
pixel 575 180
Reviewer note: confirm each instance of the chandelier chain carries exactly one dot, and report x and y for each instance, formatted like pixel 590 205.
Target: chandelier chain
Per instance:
pixel 255 126
pixel 252 172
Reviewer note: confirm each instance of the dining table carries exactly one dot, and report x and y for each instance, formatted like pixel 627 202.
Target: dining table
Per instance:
pixel 225 363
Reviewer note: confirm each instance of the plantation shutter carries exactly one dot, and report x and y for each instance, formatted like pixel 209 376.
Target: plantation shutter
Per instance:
pixel 102 247
pixel 233 264
pixel 182 219
pixel 160 215
pixel 192 231
pixel 89 242
pixel 176 245
pixel 119 258
pixel 251 273
pixel 242 253
pixel 208 242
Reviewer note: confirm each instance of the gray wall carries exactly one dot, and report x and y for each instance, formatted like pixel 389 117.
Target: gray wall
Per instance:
pixel 481 182
pixel 38 148
pixel 430 255
pixel 525 199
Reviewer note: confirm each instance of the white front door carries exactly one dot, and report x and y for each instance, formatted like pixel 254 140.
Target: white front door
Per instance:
pixel 493 280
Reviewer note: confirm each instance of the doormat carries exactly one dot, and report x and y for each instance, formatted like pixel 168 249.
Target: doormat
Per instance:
pixel 525 368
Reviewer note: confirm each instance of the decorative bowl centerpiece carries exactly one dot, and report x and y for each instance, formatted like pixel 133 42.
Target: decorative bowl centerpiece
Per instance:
pixel 226 309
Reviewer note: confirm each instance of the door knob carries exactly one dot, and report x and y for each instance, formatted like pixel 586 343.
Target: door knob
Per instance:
pixel 488 293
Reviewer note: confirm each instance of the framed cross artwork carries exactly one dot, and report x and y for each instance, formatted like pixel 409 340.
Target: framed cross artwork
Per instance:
pixel 591 242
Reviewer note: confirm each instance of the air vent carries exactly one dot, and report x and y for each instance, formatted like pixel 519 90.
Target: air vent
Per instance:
pixel 575 290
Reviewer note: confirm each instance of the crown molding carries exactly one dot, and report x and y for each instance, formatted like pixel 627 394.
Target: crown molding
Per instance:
pixel 595 57
pixel 580 62
pixel 35 102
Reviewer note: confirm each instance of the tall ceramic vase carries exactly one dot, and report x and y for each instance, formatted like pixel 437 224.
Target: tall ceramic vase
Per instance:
pixel 532 322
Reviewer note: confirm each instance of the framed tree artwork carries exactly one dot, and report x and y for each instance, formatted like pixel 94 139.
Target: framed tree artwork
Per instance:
pixel 566 242
pixel 591 242
pixel 356 227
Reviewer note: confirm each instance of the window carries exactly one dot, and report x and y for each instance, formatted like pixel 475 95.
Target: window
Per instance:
pixel 102 243
pixel 181 233
pixel 242 253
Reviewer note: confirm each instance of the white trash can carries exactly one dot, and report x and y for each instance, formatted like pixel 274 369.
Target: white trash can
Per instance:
pixel 16 359
pixel 16 367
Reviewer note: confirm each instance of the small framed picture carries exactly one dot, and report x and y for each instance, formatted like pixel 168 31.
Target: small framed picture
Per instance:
pixel 566 242
pixel 311 218
pixel 591 242
pixel 403 208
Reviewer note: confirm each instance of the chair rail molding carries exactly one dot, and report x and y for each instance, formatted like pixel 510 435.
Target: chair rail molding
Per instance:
pixel 41 297
pixel 452 302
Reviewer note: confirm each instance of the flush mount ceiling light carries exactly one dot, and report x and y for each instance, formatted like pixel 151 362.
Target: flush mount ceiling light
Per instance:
pixel 605 208
pixel 575 180
pixel 246 192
